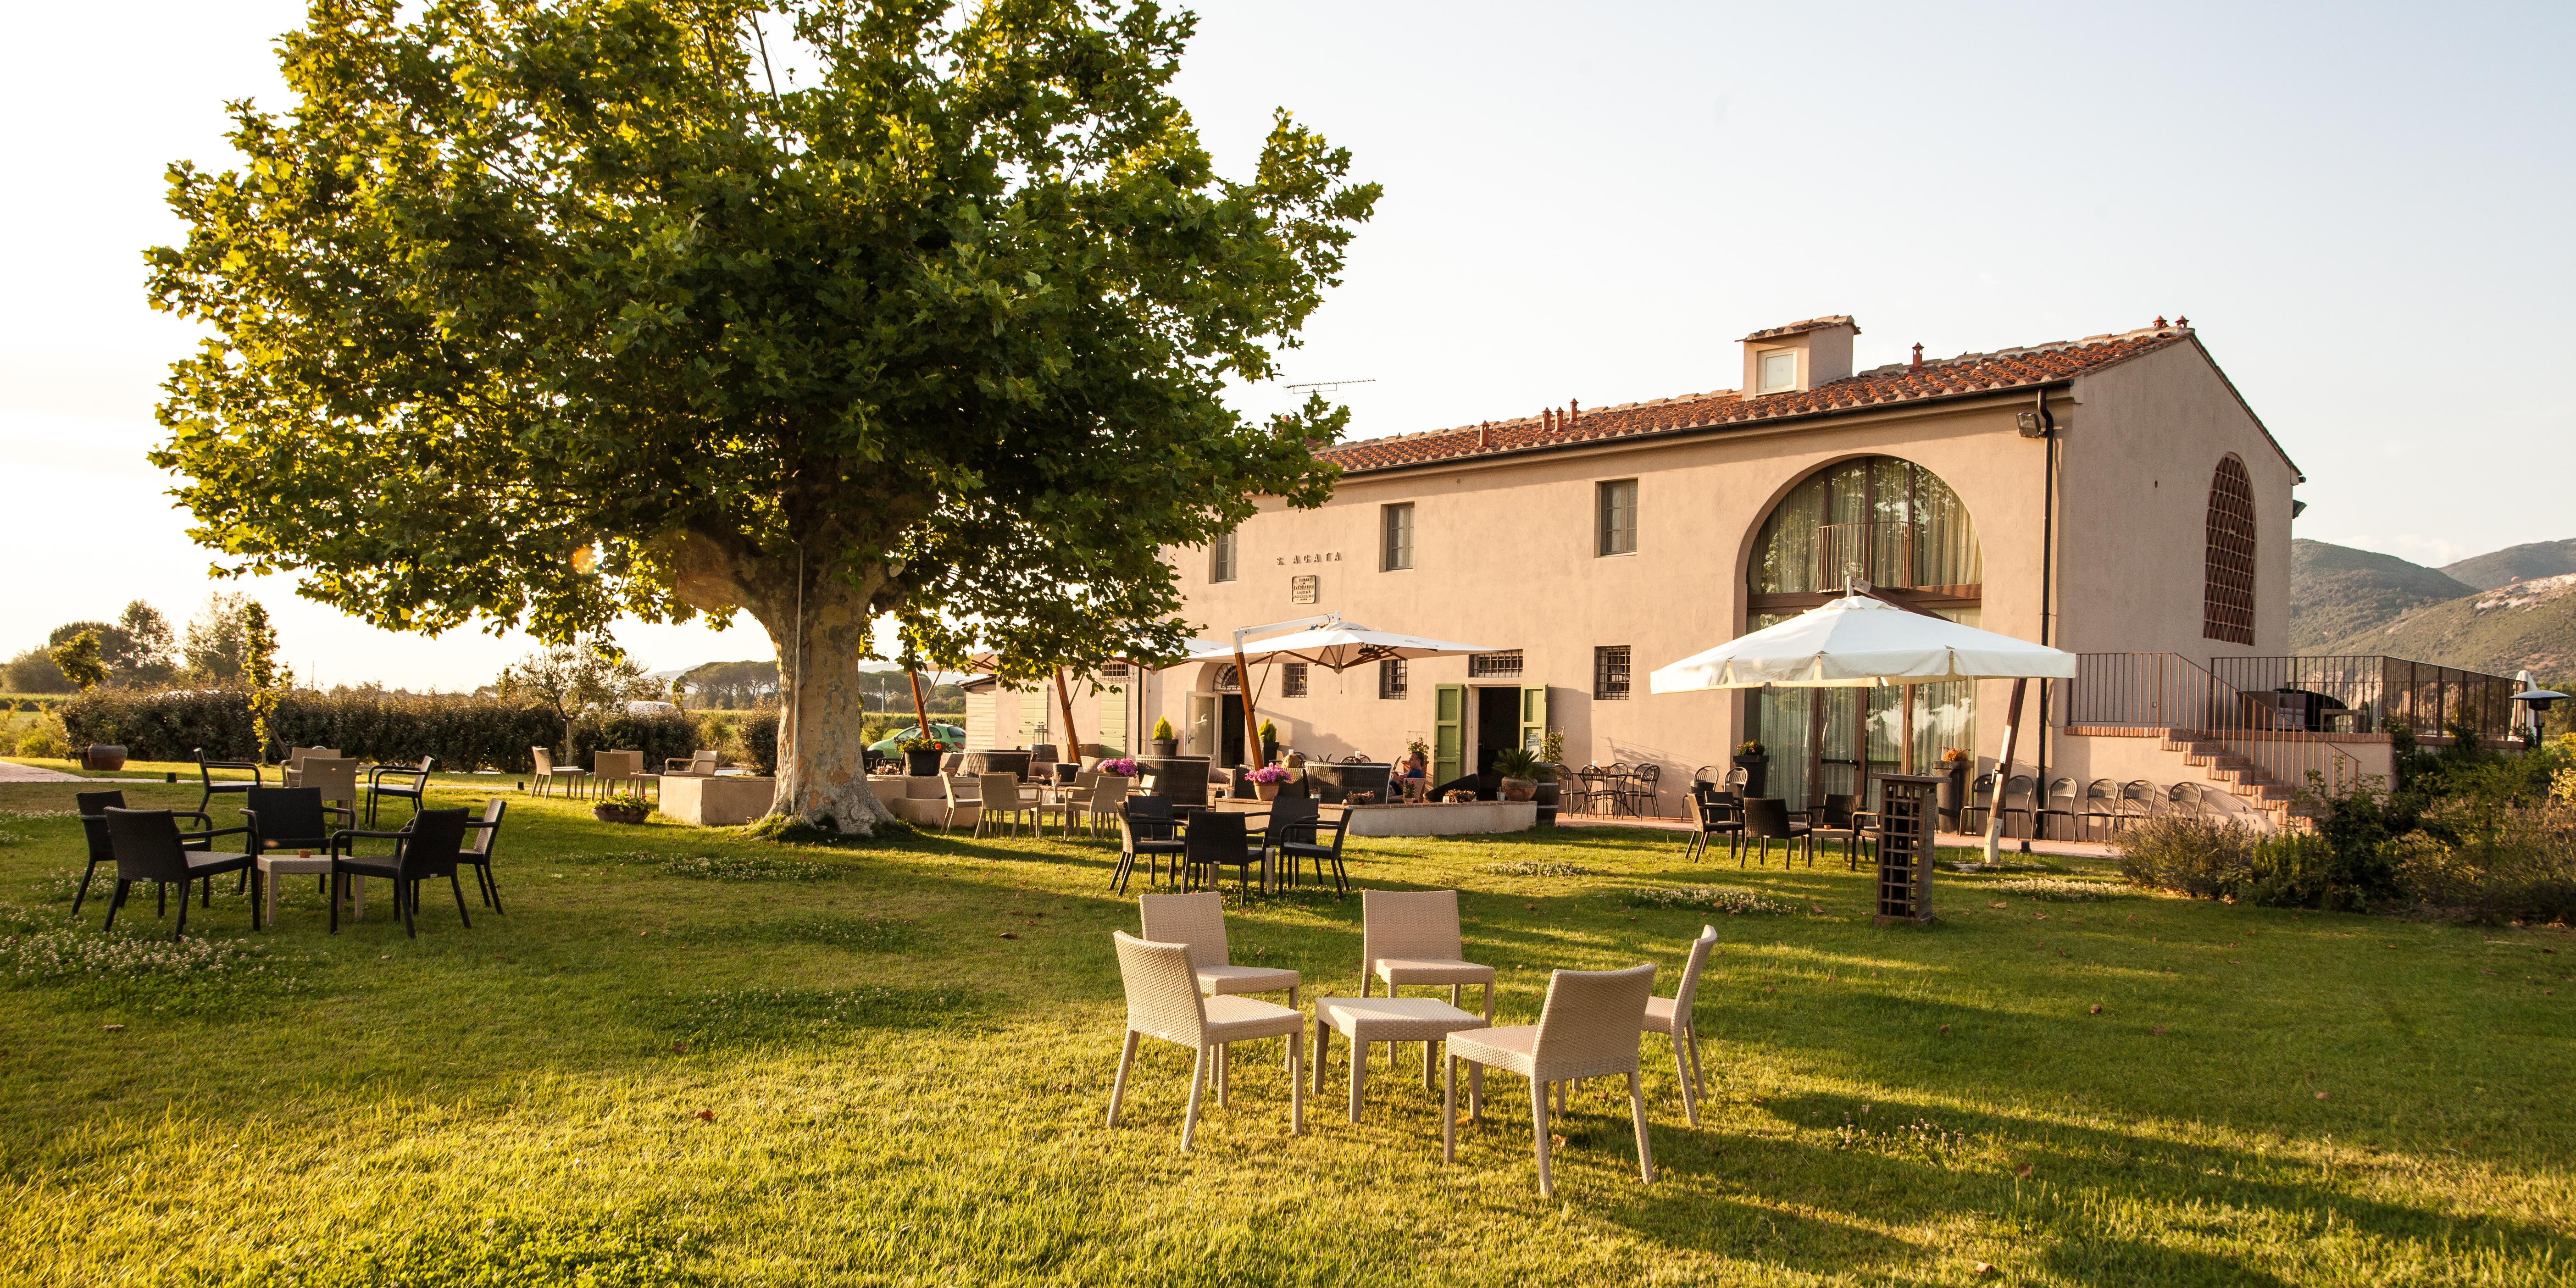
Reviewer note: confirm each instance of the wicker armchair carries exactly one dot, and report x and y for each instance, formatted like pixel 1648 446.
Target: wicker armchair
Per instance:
pixel 1591 1026
pixel 1164 1001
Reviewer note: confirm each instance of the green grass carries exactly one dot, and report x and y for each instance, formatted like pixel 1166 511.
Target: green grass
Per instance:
pixel 684 1057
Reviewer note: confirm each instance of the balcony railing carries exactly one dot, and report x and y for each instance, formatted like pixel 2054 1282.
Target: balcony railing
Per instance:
pixel 2277 737
pixel 2363 693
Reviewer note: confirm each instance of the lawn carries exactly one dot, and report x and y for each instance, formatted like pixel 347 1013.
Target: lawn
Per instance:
pixel 687 1057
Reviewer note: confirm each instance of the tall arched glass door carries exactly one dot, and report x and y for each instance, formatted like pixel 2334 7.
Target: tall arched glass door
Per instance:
pixel 1896 526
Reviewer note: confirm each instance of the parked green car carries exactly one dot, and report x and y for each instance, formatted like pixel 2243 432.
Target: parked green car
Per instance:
pixel 891 744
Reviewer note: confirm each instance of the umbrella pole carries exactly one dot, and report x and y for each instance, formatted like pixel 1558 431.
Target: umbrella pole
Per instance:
pixel 1064 699
pixel 1243 687
pixel 920 719
pixel 2003 771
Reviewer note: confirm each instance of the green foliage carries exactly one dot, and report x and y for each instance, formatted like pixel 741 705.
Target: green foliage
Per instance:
pixel 2196 855
pixel 78 660
pixel 218 639
pixel 2508 865
pixel 1731 900
pixel 625 801
pixel 1517 762
pixel 540 315
pixel 1748 748
pixel 757 735
pixel 34 672
pixel 1162 729
pixel 2052 889
pixel 463 733
pixel 268 682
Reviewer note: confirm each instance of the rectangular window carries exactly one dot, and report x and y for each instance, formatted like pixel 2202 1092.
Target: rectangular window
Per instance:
pixel 1494 665
pixel 1391 678
pixel 1113 670
pixel 1292 680
pixel 1779 371
pixel 1617 518
pixel 1396 551
pixel 1221 561
pixel 1610 673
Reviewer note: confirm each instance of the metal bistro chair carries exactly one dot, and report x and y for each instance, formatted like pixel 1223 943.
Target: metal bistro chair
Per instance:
pixel 2101 809
pixel 150 847
pixel 2059 789
pixel 2140 799
pixel 206 776
pixel 1638 793
pixel 1981 799
pixel 93 807
pixel 2025 789
pixel 398 782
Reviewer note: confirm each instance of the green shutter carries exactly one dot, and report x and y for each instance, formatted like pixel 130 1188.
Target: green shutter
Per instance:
pixel 1448 732
pixel 1533 717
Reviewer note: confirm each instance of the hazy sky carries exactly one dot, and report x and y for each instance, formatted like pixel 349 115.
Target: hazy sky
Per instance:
pixel 2363 210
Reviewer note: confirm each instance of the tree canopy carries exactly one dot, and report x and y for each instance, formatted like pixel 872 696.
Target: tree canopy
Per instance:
pixel 540 311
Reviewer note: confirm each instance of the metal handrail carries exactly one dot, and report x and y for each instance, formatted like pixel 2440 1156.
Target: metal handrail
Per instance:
pixel 2173 693
pixel 2369 691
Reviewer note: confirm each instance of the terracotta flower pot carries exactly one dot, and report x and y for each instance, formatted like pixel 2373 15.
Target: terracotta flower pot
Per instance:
pixel 616 814
pixel 1266 791
pixel 102 755
pixel 1519 789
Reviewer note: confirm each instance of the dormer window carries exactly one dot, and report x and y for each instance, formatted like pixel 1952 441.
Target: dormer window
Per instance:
pixel 1779 371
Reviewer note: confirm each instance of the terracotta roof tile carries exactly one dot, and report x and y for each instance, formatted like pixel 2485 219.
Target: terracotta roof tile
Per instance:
pixel 1896 383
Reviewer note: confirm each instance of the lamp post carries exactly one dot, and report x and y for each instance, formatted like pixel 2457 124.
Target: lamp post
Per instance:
pixel 2535 702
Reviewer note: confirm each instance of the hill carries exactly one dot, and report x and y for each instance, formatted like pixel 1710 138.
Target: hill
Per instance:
pixel 2532 624
pixel 2516 563
pixel 2337 592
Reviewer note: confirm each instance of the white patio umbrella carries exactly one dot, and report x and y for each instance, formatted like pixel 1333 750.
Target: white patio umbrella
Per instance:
pixel 1331 643
pixel 1859 641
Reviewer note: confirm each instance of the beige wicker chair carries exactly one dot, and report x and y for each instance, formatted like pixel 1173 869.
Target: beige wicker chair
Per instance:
pixel 1106 796
pixel 335 777
pixel 295 758
pixel 1591 1026
pixel 1163 1001
pixel 1671 1016
pixel 609 768
pixel 547 773
pixel 971 807
pixel 701 764
pixel 1411 937
pixel 1198 920
pixel 1001 798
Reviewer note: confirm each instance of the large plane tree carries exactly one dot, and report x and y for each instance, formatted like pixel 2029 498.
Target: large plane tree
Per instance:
pixel 536 312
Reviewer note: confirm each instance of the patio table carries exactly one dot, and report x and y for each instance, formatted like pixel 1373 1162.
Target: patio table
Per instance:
pixel 273 866
pixel 1363 1020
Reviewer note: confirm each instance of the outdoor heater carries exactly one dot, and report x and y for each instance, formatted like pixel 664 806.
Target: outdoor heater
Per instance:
pixel 2535 702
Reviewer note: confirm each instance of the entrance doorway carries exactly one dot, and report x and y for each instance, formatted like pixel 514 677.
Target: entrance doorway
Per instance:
pixel 1498 723
pixel 1216 728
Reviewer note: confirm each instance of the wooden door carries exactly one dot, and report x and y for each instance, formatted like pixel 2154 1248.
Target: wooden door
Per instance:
pixel 1448 732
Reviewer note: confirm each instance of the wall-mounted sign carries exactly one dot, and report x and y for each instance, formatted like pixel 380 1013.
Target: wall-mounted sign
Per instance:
pixel 1329 556
pixel 1301 589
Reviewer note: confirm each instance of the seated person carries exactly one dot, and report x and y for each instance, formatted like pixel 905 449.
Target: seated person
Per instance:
pixel 1487 787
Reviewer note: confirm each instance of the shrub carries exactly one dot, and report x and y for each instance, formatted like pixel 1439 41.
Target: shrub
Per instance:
pixel 2198 856
pixel 41 744
pixel 2512 865
pixel 758 734
pixel 463 733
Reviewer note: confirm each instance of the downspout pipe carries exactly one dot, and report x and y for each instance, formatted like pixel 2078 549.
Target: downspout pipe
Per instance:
pixel 2047 585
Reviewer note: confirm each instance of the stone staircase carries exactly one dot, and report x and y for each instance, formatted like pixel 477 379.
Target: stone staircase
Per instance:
pixel 2241 777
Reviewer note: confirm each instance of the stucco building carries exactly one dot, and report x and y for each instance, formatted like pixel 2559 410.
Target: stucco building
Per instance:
pixel 2113 494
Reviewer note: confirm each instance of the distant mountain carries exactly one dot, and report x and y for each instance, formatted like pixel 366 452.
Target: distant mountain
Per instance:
pixel 2516 563
pixel 2337 592
pixel 2528 625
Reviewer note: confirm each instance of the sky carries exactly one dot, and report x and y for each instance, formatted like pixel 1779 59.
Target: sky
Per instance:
pixel 2360 207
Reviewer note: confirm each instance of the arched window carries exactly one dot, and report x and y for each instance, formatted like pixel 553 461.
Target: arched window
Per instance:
pixel 1897 526
pixel 2227 587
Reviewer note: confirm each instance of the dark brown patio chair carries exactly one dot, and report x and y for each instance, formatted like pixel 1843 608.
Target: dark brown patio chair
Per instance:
pixel 1146 829
pixel 1840 818
pixel 93 808
pixel 1766 819
pixel 1213 840
pixel 398 782
pixel 425 849
pixel 206 776
pixel 150 847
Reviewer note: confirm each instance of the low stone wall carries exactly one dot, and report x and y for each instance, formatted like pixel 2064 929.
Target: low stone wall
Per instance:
pixel 723 801
pixel 1443 819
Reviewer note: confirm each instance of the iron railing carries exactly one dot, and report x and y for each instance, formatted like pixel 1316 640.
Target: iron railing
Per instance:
pixel 2363 693
pixel 2172 693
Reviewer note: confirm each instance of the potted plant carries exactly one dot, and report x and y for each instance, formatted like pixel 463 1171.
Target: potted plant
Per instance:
pixel 1417 757
pixel 1520 769
pixel 1954 782
pixel 1265 781
pixel 921 756
pixel 1756 764
pixel 1551 765
pixel 1163 744
pixel 621 807
pixel 1269 743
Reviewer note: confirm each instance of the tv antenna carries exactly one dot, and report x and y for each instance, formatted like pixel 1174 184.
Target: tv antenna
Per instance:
pixel 1330 384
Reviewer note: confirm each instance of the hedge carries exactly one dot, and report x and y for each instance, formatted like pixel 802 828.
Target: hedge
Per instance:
pixel 461 733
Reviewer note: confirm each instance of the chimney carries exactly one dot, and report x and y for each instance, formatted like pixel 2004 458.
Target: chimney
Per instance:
pixel 1798 357
pixel 1484 434
pixel 1918 355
